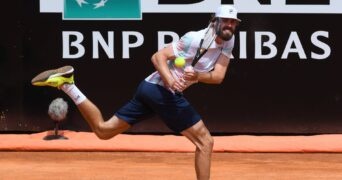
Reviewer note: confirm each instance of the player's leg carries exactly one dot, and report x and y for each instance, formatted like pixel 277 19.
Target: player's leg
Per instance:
pixel 103 129
pixel 180 116
pixel 200 136
pixel 62 78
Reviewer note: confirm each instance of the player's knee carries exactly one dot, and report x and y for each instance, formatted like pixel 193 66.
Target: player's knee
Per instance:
pixel 207 144
pixel 210 142
pixel 103 136
pixel 100 135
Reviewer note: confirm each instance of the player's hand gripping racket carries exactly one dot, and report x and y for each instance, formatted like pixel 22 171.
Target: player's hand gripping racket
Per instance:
pixel 205 43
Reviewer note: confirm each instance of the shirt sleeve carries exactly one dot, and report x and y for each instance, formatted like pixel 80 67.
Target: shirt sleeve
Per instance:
pixel 183 46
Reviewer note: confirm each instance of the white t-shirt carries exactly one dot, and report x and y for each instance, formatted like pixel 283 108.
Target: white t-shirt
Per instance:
pixel 187 47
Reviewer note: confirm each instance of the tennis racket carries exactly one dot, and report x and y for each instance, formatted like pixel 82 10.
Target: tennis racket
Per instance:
pixel 205 43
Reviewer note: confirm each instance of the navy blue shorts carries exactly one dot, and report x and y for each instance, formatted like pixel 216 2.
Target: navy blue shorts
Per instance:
pixel 150 99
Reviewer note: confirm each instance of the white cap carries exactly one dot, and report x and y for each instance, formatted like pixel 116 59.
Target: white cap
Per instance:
pixel 227 11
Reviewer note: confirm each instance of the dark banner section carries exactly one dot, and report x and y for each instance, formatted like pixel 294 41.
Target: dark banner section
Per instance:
pixel 284 77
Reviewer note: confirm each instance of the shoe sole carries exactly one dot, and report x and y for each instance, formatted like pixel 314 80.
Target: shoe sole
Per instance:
pixel 52 73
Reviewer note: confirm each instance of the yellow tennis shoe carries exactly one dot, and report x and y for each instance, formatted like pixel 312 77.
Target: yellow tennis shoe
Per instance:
pixel 55 77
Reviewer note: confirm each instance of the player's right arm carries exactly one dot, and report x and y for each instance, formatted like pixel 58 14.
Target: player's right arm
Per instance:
pixel 159 60
pixel 218 74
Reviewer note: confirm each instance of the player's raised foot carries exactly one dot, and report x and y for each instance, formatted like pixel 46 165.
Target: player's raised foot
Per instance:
pixel 55 77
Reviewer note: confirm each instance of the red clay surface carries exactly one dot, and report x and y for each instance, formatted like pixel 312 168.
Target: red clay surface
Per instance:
pixel 167 166
pixel 87 141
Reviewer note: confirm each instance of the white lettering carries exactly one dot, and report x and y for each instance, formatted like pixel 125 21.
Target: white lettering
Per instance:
pixel 264 44
pixel 243 44
pixel 107 47
pixel 293 39
pixel 126 45
pixel 320 44
pixel 77 44
pixel 258 47
pixel 161 38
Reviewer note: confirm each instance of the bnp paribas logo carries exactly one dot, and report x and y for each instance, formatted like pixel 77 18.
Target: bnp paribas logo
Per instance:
pixel 102 9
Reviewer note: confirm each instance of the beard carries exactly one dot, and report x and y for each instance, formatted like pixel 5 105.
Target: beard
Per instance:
pixel 225 33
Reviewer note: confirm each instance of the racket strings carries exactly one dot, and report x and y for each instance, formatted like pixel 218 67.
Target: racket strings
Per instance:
pixel 206 41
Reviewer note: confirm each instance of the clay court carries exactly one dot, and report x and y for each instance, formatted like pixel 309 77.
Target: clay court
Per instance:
pixel 84 156
pixel 156 165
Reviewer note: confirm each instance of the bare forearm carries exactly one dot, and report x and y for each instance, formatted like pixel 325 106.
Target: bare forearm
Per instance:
pixel 160 63
pixel 210 78
pixel 217 75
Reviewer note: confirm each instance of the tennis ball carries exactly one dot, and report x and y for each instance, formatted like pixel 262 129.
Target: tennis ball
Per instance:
pixel 180 62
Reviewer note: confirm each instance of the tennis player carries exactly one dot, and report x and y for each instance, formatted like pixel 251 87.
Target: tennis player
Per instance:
pixel 160 93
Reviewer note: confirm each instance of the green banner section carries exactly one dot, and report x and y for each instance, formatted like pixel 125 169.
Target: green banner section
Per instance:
pixel 102 9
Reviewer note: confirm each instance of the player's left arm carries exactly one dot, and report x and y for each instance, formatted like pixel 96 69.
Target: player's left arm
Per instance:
pixel 217 75
pixel 159 60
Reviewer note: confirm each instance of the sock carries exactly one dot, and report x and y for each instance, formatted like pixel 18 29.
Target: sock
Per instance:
pixel 74 93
